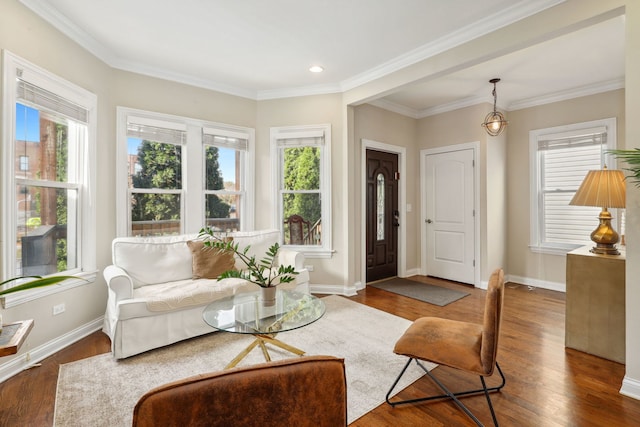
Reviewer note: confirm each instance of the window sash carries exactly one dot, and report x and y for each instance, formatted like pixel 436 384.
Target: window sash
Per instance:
pixel 318 136
pixel 194 137
pixel 563 156
pixel 68 104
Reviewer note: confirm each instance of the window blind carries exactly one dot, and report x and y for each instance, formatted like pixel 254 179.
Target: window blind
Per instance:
pixel 225 142
pixel 316 141
pixel 42 98
pixel 157 134
pixel 564 163
pixel 226 138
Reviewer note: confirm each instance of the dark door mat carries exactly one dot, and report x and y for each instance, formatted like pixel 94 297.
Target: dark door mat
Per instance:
pixel 421 291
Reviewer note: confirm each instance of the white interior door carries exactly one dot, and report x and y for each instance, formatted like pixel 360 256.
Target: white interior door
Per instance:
pixel 450 223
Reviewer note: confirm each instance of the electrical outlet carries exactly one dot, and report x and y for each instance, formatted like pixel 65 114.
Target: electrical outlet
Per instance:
pixel 309 267
pixel 59 308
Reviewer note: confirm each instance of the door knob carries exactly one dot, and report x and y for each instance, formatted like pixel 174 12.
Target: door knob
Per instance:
pixel 428 221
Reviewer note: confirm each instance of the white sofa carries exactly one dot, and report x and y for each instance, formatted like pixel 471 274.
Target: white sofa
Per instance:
pixel 154 299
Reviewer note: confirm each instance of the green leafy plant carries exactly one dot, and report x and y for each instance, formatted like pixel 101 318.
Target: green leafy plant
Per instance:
pixel 38 282
pixel 631 158
pixel 263 272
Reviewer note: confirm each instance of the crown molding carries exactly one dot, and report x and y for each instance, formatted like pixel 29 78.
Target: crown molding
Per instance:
pixel 564 95
pixel 140 68
pixel 78 35
pixel 396 108
pixel 300 91
pixel 51 15
pixel 456 105
pixel 500 19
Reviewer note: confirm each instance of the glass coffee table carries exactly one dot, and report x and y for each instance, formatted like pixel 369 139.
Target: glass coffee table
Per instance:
pixel 245 313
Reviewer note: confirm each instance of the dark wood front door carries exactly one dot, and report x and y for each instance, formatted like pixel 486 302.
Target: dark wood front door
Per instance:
pixel 382 215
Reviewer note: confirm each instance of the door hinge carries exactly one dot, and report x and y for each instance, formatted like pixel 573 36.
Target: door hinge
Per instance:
pixel 474 262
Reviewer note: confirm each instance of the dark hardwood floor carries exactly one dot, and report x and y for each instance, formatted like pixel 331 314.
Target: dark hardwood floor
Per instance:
pixel 547 385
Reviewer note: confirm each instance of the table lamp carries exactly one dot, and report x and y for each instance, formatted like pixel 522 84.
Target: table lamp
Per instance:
pixel 606 189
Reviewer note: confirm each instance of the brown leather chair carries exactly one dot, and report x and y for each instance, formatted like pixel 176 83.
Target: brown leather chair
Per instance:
pixel 465 346
pixel 304 391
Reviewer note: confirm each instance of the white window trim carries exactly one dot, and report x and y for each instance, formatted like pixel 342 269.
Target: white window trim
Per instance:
pixel 84 98
pixel 192 172
pixel 305 131
pixel 535 245
pixel 247 170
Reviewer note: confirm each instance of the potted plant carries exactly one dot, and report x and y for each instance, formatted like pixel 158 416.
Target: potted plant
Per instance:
pixel 262 272
pixel 38 282
pixel 631 158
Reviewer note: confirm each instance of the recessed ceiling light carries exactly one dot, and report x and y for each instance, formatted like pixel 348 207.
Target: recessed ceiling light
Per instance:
pixel 316 69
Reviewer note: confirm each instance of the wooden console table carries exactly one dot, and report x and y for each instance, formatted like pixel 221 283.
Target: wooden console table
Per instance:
pixel 13 336
pixel 595 303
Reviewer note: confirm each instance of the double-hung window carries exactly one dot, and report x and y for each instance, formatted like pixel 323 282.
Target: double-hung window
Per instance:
pixel 48 215
pixel 560 160
pixel 302 187
pixel 182 174
pixel 155 191
pixel 225 153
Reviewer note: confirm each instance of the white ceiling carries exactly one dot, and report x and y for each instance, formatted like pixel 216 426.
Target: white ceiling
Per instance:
pixel 262 49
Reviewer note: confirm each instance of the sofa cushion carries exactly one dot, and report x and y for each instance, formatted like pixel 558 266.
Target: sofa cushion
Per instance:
pixel 186 293
pixel 258 241
pixel 209 263
pixel 151 260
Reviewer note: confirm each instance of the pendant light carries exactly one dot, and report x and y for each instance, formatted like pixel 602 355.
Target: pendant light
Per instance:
pixel 495 122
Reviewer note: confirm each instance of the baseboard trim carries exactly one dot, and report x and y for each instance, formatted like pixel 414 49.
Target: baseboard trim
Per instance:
pixel 31 357
pixel 412 272
pixel 630 388
pixel 346 290
pixel 536 283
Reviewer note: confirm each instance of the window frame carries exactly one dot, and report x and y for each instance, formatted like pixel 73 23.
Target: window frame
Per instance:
pixel 536 243
pixel 193 172
pixel 246 169
pixel 304 131
pixel 15 67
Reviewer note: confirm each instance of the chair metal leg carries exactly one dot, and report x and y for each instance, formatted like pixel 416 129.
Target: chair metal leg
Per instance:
pixel 450 395
pixel 486 393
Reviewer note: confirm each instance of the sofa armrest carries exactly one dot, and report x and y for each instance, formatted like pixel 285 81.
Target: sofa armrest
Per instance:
pixel 119 282
pixel 290 257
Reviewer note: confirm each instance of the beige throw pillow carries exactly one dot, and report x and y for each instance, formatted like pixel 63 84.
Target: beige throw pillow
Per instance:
pixel 209 263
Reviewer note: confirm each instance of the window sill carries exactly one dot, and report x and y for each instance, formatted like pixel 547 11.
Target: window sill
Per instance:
pixel 553 250
pixel 17 298
pixel 310 253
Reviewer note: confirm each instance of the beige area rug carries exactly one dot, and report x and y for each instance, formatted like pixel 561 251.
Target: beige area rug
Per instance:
pixel 100 391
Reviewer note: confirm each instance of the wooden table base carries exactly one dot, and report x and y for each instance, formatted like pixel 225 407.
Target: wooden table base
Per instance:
pixel 261 340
